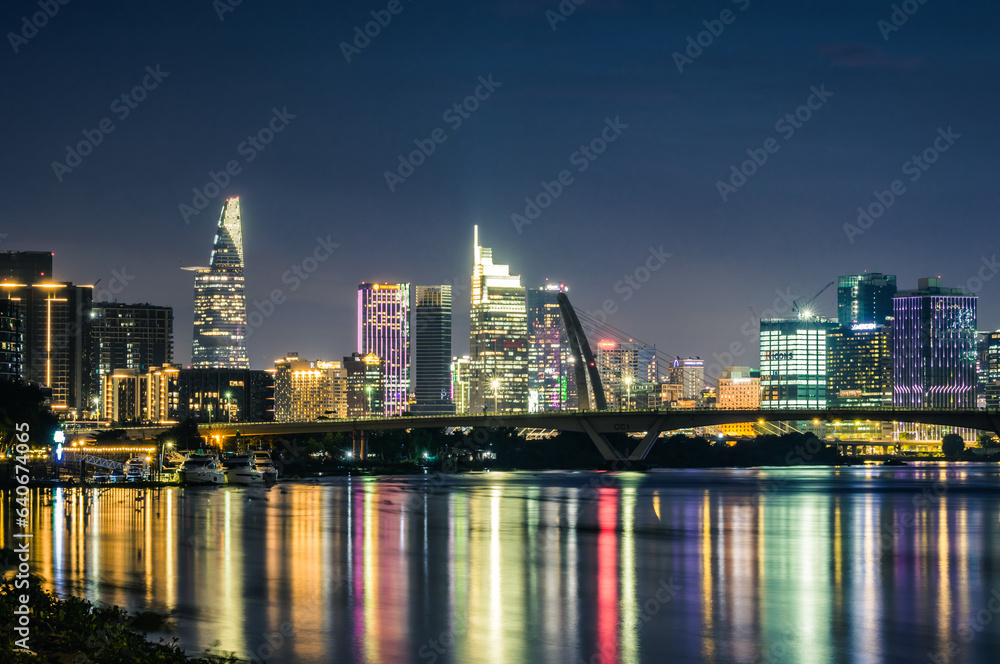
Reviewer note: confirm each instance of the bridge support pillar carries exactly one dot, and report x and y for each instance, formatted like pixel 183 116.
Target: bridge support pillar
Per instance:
pixel 603 446
pixel 642 449
pixel 359 446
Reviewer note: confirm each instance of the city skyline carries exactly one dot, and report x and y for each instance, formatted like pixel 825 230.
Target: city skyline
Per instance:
pixel 316 184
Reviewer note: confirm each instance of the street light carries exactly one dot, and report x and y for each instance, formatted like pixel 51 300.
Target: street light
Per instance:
pixel 496 387
pixel 368 389
pixel 628 392
pixel 229 406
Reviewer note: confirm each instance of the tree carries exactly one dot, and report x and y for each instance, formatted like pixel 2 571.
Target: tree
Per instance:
pixel 952 445
pixel 988 441
pixel 24 404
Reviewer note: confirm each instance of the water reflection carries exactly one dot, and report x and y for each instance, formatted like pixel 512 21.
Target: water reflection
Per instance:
pixel 814 565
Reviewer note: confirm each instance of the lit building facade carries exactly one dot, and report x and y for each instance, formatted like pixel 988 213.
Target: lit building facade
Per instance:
pixel 384 330
pixel 738 389
pixel 432 350
pixel 934 347
pixel 551 379
pixel 793 370
pixel 498 344
pixel 618 366
pixel 306 390
pixel 130 396
pixel 859 366
pixel 989 369
pixel 460 368
pixel 365 385
pixel 130 336
pixel 689 373
pixel 220 395
pixel 11 341
pixel 220 311
pixel 865 298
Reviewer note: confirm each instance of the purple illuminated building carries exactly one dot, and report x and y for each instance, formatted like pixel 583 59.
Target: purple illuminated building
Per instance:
pixel 384 329
pixel 934 347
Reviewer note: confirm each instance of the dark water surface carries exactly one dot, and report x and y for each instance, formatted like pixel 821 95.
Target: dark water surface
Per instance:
pixel 816 565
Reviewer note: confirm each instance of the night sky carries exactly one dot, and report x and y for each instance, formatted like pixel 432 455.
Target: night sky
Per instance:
pixel 885 93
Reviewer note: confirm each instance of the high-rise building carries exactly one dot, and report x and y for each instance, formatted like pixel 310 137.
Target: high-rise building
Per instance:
pixel 551 379
pixel 365 385
pixel 498 343
pixel 130 396
pixel 220 395
pixel 934 347
pixel 989 368
pixel 384 330
pixel 793 369
pixel 11 341
pixel 738 389
pixel 460 367
pixel 865 298
pixel 432 350
pixel 618 366
pixel 306 390
pixel 220 308
pixel 130 336
pixel 689 373
pixel 859 366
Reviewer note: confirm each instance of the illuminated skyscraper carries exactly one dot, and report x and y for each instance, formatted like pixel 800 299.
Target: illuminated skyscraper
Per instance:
pixel 306 390
pixel 793 361
pixel 220 308
pixel 689 373
pixel 865 298
pixel 498 343
pixel 432 356
pixel 384 330
pixel 618 364
pixel 551 382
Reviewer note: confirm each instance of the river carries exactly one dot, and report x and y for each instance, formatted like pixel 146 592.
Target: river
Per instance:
pixel 818 565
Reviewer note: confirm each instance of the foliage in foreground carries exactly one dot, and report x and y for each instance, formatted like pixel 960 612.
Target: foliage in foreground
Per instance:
pixel 75 631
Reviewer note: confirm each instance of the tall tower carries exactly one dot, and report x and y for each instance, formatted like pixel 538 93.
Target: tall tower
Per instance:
pixel 384 330
pixel 220 306
pixel 551 379
pixel 432 359
pixel 865 298
pixel 498 344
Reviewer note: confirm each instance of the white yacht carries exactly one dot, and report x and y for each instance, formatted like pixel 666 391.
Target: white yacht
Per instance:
pixel 241 470
pixel 135 469
pixel 201 469
pixel 262 461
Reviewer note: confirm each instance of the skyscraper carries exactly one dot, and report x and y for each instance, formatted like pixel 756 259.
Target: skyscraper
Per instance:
pixel 859 366
pixel 130 336
pixel 11 341
pixel 384 330
pixel 793 361
pixel 220 308
pixel 689 373
pixel 619 366
pixel 306 390
pixel 432 350
pixel 934 347
pixel 498 343
pixel 865 298
pixel 365 385
pixel 551 381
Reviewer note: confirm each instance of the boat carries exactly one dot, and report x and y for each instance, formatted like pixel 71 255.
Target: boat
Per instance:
pixel 894 462
pixel 201 469
pixel 172 461
pixel 262 461
pixel 135 469
pixel 241 470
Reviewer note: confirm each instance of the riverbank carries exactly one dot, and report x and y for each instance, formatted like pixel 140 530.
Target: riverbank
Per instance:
pixel 74 630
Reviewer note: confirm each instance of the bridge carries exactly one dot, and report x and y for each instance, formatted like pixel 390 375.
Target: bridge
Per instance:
pixel 598 423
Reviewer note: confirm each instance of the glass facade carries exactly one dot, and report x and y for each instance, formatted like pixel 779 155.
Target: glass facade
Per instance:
pixel 793 371
pixel 130 336
pixel 865 298
pixel 365 385
pixel 551 382
pixel 11 341
pixel 498 345
pixel 859 366
pixel 432 350
pixel 220 311
pixel 934 347
pixel 621 372
pixel 689 374
pixel 384 330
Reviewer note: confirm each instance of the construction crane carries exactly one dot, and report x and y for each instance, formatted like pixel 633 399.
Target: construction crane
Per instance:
pixel 802 310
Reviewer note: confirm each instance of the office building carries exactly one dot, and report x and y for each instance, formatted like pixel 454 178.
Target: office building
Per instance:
pixel 498 344
pixel 222 395
pixel 551 379
pixel 689 373
pixel 365 385
pixel 989 369
pixel 306 390
pixel 384 331
pixel 432 350
pixel 220 312
pixel 618 366
pixel 865 299
pixel 460 368
pixel 130 336
pixel 738 389
pixel 11 341
pixel 859 366
pixel 793 370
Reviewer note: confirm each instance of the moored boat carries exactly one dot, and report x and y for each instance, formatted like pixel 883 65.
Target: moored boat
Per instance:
pixel 241 470
pixel 201 469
